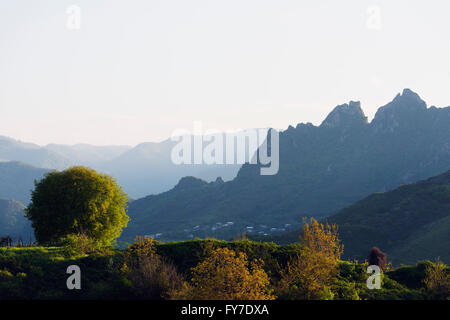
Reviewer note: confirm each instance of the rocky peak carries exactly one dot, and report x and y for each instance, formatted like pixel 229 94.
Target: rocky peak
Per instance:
pixel 218 181
pixel 302 125
pixel 410 98
pixel 405 106
pixel 190 182
pixel 345 115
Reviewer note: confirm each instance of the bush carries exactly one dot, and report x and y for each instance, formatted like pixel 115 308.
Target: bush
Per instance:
pixel 142 246
pixel 225 275
pixel 152 276
pixel 75 245
pixel 437 281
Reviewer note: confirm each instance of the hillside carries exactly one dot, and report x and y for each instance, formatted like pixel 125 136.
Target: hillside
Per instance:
pixel 16 180
pixel 12 220
pixel 409 223
pixel 322 170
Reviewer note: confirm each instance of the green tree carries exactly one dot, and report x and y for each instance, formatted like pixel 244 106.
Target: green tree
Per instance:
pixel 77 201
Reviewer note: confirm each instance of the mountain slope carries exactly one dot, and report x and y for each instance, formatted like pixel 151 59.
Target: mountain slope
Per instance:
pixel 322 170
pixel 410 223
pixel 430 242
pixel 17 180
pixel 148 169
pixel 12 220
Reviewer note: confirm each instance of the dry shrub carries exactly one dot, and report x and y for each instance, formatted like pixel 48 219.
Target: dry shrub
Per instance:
pixel 152 276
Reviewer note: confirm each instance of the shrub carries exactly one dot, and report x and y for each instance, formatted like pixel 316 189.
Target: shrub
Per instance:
pixel 225 275
pixel 437 280
pixel 152 276
pixel 80 244
pixel 142 246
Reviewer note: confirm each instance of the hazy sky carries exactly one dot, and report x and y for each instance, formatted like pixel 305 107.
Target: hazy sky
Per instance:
pixel 137 70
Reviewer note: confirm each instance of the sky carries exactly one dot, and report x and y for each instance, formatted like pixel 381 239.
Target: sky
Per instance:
pixel 125 72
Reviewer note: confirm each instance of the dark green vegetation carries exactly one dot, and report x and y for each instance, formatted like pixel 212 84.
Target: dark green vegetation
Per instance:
pixel 40 273
pixel 323 169
pixel 16 180
pixel 12 220
pixel 77 201
pixel 410 223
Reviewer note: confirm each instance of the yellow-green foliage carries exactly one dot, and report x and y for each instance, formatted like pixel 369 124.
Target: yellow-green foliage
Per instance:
pixel 437 280
pixel 225 275
pixel 77 201
pixel 310 274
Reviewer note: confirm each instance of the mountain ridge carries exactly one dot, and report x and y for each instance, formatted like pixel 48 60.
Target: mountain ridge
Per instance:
pixel 342 163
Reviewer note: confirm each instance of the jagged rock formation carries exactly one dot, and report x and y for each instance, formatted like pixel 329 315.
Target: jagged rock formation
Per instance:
pixel 322 170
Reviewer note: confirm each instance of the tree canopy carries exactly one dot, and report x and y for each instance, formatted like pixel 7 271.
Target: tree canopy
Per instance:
pixel 310 274
pixel 77 201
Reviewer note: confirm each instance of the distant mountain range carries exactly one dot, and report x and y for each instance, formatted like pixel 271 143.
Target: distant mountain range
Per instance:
pixel 87 154
pixel 56 156
pixel 323 169
pixel 148 169
pixel 142 170
pixel 32 154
